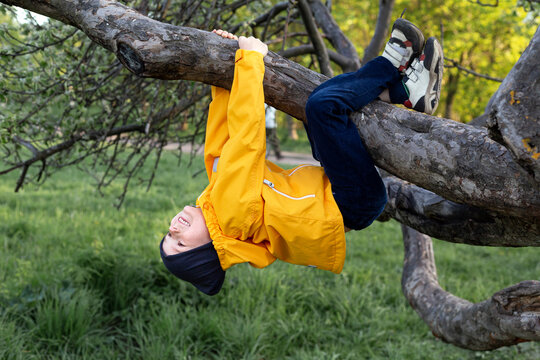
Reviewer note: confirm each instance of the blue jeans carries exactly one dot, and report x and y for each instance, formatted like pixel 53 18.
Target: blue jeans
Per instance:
pixel 358 189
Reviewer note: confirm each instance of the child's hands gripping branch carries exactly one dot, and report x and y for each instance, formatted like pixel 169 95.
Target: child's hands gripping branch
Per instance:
pixel 252 43
pixel 249 43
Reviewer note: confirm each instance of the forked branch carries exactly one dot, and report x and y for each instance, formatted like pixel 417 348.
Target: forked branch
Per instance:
pixel 509 317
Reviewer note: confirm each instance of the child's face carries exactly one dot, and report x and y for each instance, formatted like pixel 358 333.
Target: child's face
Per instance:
pixel 187 231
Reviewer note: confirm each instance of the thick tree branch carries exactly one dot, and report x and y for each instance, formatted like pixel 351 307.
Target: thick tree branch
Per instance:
pixel 430 152
pixel 315 37
pixel 515 109
pixel 334 34
pixel 453 160
pixel 42 7
pixel 458 223
pixel 381 30
pixel 510 316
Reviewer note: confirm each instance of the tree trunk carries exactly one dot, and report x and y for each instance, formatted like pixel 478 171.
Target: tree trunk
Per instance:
pixel 515 111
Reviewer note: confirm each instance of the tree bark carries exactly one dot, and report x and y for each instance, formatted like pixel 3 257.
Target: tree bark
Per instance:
pixel 459 162
pixel 458 223
pixel 510 316
pixel 515 111
pixel 456 161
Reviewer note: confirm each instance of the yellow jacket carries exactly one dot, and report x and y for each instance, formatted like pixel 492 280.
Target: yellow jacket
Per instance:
pixel 256 211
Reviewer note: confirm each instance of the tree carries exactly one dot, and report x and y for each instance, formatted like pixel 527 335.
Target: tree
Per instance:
pixel 478 186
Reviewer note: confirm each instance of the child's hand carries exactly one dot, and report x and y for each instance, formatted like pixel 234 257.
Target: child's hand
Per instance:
pixel 225 34
pixel 252 43
pixel 249 43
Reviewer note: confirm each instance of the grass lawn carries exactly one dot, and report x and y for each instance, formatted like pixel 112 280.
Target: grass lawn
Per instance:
pixel 82 280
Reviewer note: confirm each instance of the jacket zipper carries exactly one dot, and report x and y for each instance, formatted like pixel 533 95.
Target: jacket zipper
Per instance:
pixel 298 168
pixel 271 186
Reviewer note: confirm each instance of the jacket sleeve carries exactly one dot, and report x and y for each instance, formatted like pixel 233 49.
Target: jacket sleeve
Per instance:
pixel 217 132
pixel 232 252
pixel 236 195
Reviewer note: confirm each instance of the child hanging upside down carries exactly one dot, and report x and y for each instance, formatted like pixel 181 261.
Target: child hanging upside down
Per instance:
pixel 254 211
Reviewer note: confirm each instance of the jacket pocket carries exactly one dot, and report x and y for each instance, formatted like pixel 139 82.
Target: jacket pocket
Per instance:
pixel 271 186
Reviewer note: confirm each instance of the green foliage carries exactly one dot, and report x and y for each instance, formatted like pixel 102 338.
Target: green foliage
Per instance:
pixel 60 89
pixel 81 280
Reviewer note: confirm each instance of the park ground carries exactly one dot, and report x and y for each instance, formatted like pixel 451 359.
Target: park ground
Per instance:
pixel 80 279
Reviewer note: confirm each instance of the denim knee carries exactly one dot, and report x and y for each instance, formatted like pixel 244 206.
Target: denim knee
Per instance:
pixel 358 218
pixel 322 107
pixel 381 204
pixel 381 201
pixel 361 205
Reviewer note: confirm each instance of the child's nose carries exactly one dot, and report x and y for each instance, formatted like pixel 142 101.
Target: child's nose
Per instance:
pixel 173 228
pixel 174 221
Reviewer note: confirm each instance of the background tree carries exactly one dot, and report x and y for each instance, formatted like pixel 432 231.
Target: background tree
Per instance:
pixel 471 185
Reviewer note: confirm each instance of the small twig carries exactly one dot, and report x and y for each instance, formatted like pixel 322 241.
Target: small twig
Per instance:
pixel 267 23
pixel 153 103
pixel 290 5
pixel 402 13
pixel 162 142
pixel 21 178
pixel 484 4
pixel 198 172
pixel 138 165
pixel 38 48
pixel 469 71
pixel 83 136
pixel 276 9
pixel 26 144
pixel 277 40
pixel 235 6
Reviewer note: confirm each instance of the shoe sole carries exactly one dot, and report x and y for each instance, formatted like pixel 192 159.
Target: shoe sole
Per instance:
pixel 434 63
pixel 411 32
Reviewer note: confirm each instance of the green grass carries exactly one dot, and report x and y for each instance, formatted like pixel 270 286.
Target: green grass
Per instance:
pixel 82 280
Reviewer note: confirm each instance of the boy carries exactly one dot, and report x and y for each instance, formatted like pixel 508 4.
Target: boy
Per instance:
pixel 252 210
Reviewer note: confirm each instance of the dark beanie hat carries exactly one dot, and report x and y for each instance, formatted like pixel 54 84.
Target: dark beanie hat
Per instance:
pixel 199 266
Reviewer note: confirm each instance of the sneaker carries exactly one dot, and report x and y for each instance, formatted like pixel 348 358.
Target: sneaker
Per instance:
pixel 406 43
pixel 423 78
